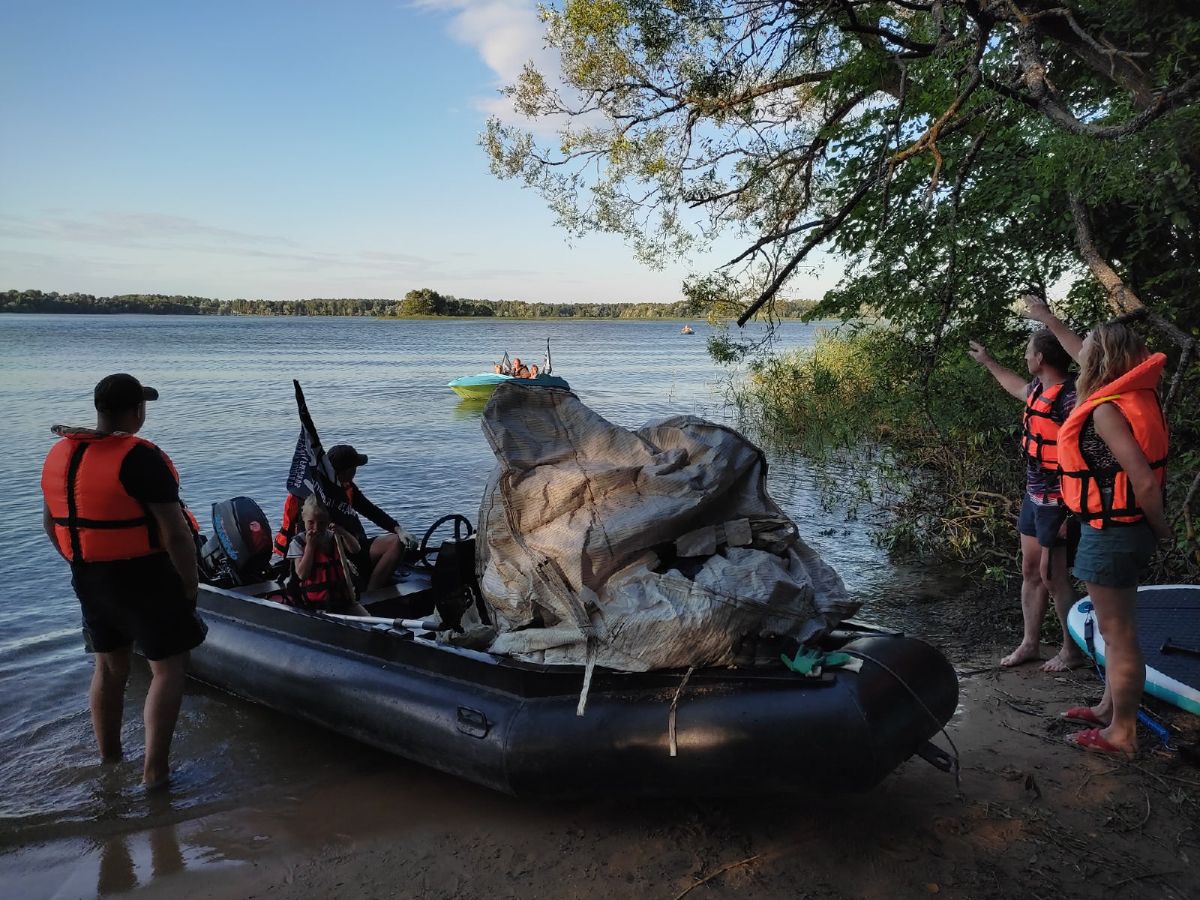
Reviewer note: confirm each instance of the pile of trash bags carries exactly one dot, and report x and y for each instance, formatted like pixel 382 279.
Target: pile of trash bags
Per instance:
pixel 637 549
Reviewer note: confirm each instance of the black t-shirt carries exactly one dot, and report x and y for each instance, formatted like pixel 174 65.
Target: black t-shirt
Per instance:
pixel 145 475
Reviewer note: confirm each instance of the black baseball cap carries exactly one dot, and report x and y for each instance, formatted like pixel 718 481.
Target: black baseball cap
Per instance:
pixel 119 392
pixel 343 456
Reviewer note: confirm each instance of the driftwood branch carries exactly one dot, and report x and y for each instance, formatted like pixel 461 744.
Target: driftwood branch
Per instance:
pixel 720 871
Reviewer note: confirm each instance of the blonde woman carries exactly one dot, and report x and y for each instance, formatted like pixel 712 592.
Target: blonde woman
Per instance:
pixel 1113 453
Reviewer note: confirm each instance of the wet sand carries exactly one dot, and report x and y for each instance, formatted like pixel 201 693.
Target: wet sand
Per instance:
pixel 1034 818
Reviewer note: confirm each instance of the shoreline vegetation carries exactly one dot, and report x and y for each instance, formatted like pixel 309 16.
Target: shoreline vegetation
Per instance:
pixel 417 304
pixel 931 446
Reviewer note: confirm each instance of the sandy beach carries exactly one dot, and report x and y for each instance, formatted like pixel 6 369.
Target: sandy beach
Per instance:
pixel 1033 818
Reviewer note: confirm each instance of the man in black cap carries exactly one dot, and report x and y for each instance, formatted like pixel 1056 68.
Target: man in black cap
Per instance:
pixel 112 510
pixel 377 557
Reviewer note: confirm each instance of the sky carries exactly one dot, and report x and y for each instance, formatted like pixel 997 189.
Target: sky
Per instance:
pixel 283 149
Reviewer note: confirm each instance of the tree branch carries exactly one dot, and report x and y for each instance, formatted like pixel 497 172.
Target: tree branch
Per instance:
pixel 1121 299
pixel 831 225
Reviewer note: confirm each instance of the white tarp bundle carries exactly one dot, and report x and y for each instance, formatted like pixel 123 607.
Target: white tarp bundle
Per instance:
pixel 587 530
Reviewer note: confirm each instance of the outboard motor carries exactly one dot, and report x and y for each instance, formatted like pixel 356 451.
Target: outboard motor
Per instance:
pixel 239 551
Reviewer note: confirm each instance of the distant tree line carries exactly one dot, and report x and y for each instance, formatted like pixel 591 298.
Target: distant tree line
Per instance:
pixel 416 303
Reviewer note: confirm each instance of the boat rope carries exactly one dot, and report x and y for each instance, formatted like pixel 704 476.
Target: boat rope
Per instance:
pixel 674 706
pixel 348 568
pixel 588 668
pixel 956 768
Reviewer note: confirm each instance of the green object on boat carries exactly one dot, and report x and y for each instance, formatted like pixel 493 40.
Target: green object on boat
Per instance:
pixel 806 660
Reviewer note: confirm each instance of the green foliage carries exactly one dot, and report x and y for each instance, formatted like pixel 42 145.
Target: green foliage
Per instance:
pixel 939 454
pixel 937 147
pixel 935 447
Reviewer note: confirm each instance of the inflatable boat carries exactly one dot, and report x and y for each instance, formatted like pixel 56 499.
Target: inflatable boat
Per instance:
pixel 398 681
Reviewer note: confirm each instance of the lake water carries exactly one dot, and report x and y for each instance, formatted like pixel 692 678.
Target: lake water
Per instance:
pixel 227 417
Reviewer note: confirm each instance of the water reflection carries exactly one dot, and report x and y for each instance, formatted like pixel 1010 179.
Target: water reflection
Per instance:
pixel 467 409
pixel 116 868
pixel 154 854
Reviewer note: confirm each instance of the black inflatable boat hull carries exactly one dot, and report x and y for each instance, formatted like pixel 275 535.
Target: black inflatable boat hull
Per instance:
pixel 513 726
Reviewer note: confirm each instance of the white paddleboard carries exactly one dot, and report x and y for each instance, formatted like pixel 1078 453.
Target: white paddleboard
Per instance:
pixel 1168 615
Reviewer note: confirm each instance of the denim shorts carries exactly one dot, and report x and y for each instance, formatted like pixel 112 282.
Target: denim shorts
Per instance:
pixel 1043 522
pixel 1115 556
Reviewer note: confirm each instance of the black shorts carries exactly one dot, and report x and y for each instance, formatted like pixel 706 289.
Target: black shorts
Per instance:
pixel 362 563
pixel 136 601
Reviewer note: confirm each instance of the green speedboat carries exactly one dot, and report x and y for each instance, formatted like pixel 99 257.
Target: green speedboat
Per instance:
pixel 480 387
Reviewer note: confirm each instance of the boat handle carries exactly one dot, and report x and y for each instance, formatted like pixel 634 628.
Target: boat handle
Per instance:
pixel 472 722
pixel 937 757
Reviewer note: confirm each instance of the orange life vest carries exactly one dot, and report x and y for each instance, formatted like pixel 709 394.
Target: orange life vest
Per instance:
pixel 95 518
pixel 290 522
pixel 1041 423
pixel 325 585
pixel 287 524
pixel 1104 498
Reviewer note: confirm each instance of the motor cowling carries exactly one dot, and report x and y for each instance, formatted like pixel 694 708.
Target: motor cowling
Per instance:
pixel 239 550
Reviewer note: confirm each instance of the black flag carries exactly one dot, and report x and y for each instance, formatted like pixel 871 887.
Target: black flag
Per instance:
pixel 312 473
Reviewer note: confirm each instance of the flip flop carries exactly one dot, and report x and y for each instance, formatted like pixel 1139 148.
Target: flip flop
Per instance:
pixel 1092 741
pixel 1083 715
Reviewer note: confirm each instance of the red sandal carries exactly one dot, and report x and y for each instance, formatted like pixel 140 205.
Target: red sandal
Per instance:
pixel 1092 741
pixel 1083 715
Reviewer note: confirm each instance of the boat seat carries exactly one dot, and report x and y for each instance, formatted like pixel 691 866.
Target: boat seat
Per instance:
pixel 409 597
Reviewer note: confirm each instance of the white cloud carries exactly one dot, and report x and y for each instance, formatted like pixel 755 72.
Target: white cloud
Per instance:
pixel 507 34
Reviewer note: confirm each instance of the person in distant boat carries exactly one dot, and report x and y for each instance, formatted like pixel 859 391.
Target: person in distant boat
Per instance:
pixel 112 510
pixel 1047 535
pixel 533 371
pixel 377 557
pixel 320 580
pixel 1113 452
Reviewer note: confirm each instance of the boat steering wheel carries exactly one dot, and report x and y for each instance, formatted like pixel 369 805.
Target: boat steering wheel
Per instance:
pixel 425 551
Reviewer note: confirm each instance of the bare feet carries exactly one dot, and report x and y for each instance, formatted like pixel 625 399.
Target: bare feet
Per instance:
pixel 157 782
pixel 1023 654
pixel 1065 661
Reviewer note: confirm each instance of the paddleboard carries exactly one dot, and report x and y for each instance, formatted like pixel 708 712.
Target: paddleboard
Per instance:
pixel 1165 612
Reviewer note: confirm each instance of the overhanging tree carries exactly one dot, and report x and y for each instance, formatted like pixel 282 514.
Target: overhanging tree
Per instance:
pixel 949 149
pixel 996 140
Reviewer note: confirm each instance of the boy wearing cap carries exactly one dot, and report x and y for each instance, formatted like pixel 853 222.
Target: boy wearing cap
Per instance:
pixel 377 557
pixel 111 507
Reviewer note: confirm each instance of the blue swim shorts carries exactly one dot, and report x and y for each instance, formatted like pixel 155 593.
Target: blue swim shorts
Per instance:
pixel 1115 556
pixel 1044 521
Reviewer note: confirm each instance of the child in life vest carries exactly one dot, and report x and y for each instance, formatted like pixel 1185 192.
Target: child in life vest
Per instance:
pixel 320 580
